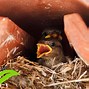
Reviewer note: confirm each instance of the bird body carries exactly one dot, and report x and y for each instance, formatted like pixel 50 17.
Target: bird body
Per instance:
pixel 49 49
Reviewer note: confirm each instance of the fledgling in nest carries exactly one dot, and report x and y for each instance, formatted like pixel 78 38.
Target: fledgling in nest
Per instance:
pixel 49 48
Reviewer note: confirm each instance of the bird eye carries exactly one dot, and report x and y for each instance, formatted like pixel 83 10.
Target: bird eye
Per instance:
pixel 52 44
pixel 44 34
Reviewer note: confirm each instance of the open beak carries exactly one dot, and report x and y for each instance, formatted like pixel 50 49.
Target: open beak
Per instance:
pixel 43 49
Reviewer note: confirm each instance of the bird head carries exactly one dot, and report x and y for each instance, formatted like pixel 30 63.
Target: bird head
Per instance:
pixel 48 47
pixel 52 33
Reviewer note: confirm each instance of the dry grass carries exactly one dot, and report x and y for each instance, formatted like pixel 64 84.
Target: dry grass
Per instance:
pixel 70 75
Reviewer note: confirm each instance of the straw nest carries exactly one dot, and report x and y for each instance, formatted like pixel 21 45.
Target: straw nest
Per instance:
pixel 69 75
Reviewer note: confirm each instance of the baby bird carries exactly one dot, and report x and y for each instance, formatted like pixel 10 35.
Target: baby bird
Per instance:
pixel 49 48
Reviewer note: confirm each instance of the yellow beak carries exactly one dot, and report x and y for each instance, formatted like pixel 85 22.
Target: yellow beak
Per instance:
pixel 43 49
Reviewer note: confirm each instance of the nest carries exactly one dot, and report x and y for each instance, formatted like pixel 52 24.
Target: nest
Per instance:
pixel 69 75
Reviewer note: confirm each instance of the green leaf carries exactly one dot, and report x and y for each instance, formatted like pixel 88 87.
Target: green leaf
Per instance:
pixel 6 74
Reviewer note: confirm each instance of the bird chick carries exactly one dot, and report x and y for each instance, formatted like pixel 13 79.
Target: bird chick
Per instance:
pixel 49 49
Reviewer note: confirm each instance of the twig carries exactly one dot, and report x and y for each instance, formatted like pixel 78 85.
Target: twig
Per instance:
pixel 82 74
pixel 71 81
